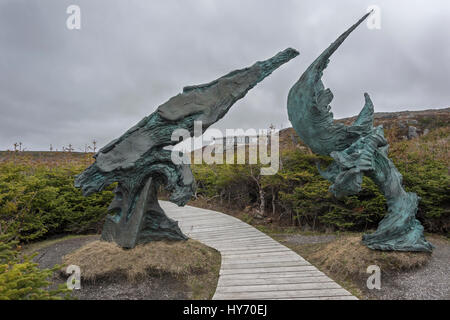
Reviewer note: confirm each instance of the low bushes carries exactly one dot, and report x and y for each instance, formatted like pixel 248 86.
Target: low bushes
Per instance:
pixel 298 195
pixel 37 201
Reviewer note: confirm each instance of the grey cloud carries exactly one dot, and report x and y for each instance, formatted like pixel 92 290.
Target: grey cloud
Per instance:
pixel 59 86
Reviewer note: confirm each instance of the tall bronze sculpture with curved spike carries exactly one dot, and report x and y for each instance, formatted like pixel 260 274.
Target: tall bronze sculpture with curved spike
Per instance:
pixel 139 162
pixel 357 150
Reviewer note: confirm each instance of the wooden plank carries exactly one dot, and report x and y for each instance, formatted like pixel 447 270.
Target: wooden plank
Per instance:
pixel 226 260
pixel 218 230
pixel 255 256
pixel 259 250
pixel 253 251
pixel 283 294
pixel 254 266
pixel 224 282
pixel 267 270
pixel 261 256
pixel 272 264
pixel 273 246
pixel 229 238
pixel 346 297
pixel 279 287
pixel 275 275
pixel 195 232
pixel 226 232
pixel 237 243
pixel 205 221
pixel 256 239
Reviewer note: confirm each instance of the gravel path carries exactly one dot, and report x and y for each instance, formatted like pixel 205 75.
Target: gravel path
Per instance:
pixel 432 282
pixel 52 254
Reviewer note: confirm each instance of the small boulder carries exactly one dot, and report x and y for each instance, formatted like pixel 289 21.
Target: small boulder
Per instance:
pixel 412 132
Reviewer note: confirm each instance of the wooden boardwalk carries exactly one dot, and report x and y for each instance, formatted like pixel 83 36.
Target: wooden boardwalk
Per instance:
pixel 254 266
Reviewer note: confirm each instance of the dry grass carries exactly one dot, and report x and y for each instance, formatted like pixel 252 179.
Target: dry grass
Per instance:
pixel 48 159
pixel 434 146
pixel 101 259
pixel 347 256
pixel 188 261
pixel 346 259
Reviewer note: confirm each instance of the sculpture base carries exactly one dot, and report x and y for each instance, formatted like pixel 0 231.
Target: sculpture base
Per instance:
pixel 144 223
pixel 399 230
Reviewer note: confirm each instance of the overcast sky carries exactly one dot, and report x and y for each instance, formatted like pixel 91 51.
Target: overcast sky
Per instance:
pixel 61 86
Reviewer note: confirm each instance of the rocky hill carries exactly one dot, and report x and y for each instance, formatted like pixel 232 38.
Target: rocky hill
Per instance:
pixel 398 125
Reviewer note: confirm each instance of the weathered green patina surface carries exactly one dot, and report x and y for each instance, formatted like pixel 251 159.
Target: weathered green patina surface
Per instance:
pixel 357 150
pixel 139 163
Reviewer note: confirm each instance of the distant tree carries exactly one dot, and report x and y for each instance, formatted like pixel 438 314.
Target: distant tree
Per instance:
pixel 271 127
pixel 69 148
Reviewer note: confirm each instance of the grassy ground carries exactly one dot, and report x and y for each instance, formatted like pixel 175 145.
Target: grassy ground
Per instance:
pixel 192 263
pixel 33 247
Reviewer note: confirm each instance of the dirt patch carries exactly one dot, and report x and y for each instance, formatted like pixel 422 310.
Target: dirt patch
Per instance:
pixel 405 275
pixel 52 254
pixel 153 288
pixel 159 270
pixel 307 239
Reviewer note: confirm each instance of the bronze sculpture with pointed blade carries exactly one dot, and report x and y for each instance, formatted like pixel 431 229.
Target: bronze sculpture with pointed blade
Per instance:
pixel 359 149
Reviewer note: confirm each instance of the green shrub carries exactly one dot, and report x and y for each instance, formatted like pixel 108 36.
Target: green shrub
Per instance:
pixel 37 201
pixel 21 279
pixel 298 195
pixel 424 164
